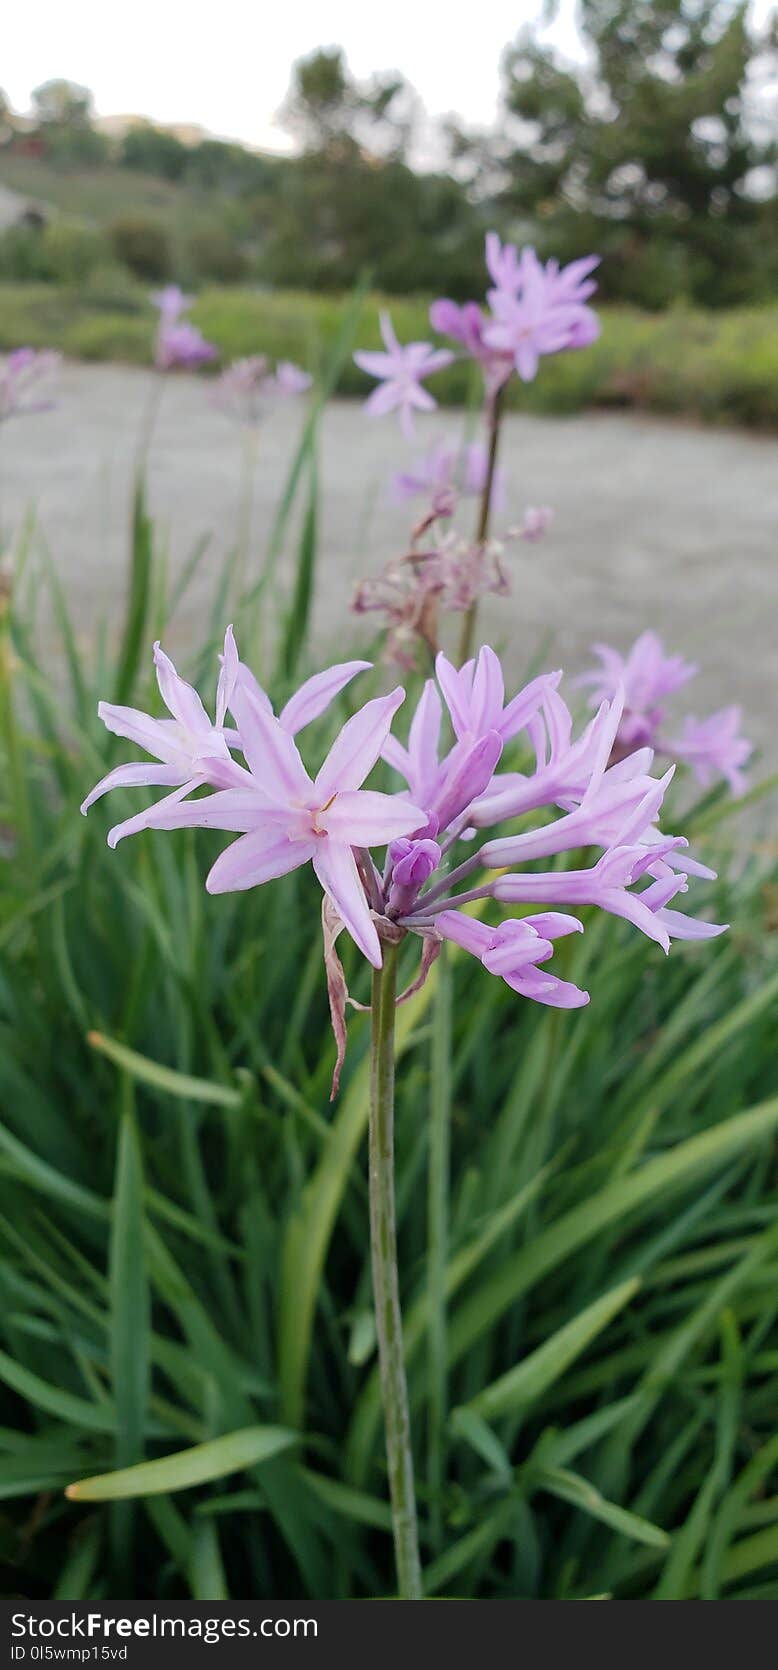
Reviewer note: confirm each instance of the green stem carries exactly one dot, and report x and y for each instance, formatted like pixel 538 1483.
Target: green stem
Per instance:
pixel 437 1240
pixel 495 412
pixel 386 1290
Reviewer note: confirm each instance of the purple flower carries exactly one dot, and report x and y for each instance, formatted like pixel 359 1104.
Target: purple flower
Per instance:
pixel 284 817
pixel 539 312
pixel 444 472
pixel 189 749
pixel 504 265
pixel 537 521
pixel 181 345
pixel 610 806
pixel 711 747
pixel 535 310
pixel 467 325
pixel 475 696
pixel 288 818
pixel 171 303
pixel 714 748
pixel 400 371
pixel 290 378
pixel 26 376
pixel 514 950
pixel 244 387
pixel 464 325
pixel 431 476
pixel 646 674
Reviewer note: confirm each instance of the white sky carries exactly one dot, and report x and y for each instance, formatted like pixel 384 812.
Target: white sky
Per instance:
pixel 226 66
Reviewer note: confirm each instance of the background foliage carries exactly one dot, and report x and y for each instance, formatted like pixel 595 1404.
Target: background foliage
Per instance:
pixel 720 367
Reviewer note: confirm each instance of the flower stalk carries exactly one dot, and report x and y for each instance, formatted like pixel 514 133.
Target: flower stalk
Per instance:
pixel 495 412
pixel 386 1291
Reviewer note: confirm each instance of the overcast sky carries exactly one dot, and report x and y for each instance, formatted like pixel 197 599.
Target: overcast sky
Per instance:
pixel 226 66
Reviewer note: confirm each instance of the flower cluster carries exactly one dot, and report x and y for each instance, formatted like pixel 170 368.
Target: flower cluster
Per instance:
pixel 533 309
pixel 258 787
pixel 441 573
pixel 179 344
pixel 26 378
pixel 711 747
pixel 245 387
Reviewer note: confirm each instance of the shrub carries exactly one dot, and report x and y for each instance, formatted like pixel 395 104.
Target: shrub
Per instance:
pixel 71 250
pixel 214 254
pixel 142 243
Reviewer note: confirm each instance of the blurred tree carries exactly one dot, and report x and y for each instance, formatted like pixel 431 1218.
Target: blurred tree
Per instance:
pixel 154 150
pixel 351 203
pixel 330 113
pixel 63 113
pixel 64 102
pixel 650 151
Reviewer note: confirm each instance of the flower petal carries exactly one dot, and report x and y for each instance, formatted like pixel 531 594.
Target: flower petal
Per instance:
pixel 464 930
pixel 255 858
pixel 681 926
pixel 269 749
pixel 424 737
pixel 237 810
pixel 155 816
pixel 455 693
pixel 138 776
pixel 180 698
pixel 157 736
pixel 228 672
pixel 546 988
pixel 365 818
pixel 336 869
pixel 354 753
pixel 488 692
pixel 315 695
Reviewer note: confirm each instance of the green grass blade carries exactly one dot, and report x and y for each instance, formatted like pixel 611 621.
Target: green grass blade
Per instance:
pixel 232 1453
pixel 525 1383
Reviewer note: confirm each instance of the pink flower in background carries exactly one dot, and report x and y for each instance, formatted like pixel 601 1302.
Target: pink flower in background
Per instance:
pixel 431 476
pixel 648 675
pixel 537 521
pixel 181 345
pixel 504 265
pixel 467 325
pixel 290 379
pixel 171 303
pixel 400 371
pixel 444 473
pixel 245 386
pixel 27 377
pixel 539 313
pixel 535 309
pixel 285 817
pixel 713 748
